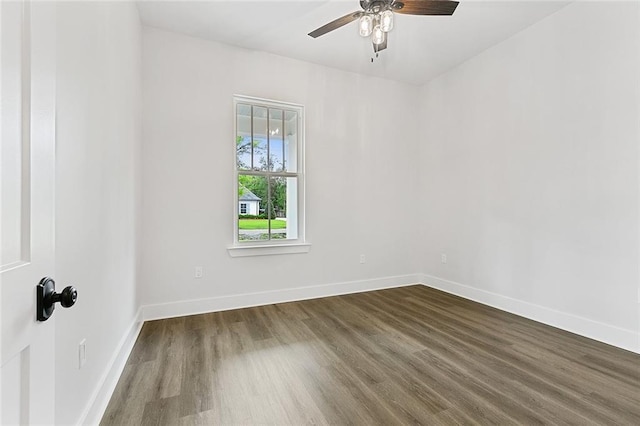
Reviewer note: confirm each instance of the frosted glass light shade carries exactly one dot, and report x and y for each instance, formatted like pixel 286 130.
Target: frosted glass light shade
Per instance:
pixel 365 26
pixel 386 21
pixel 378 35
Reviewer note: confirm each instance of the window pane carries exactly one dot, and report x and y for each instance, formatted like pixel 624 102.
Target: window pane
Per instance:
pixel 267 148
pixel 259 138
pixel 252 193
pixel 290 141
pixel 276 139
pixel 283 208
pixel 243 136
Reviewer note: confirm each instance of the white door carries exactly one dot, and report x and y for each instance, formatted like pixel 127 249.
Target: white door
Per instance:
pixel 27 157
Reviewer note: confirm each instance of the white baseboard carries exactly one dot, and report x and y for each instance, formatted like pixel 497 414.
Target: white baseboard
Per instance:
pixel 622 338
pixel 98 402
pixel 224 303
pixel 616 336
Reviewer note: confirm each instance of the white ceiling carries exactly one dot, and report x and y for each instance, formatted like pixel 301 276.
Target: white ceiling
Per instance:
pixel 420 47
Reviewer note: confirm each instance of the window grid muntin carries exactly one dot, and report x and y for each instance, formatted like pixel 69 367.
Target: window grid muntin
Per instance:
pixel 251 138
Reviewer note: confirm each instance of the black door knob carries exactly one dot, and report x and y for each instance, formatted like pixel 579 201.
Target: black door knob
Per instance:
pixel 47 298
pixel 67 298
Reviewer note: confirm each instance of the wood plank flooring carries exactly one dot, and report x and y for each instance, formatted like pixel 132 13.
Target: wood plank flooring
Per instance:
pixel 409 355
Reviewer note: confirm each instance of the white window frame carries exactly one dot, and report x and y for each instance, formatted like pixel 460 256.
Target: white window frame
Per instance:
pixel 245 207
pixel 270 247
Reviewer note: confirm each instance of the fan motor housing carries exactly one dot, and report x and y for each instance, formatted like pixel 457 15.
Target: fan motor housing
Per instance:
pixel 376 6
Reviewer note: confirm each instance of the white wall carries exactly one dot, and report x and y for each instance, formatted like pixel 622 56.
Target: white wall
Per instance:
pixel 97 167
pixel 526 162
pixel 530 172
pixel 251 206
pixel 361 171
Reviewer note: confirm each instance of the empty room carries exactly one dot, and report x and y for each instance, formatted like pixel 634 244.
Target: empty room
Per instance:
pixel 291 212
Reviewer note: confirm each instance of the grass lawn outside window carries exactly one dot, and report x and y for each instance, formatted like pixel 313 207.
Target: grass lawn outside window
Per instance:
pixel 261 224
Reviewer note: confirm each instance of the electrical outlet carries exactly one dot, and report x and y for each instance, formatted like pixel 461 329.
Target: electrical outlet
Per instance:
pixel 198 272
pixel 82 353
pixel 443 258
pixel 363 258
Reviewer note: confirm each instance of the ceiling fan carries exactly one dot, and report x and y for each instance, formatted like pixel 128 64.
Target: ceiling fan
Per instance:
pixel 376 17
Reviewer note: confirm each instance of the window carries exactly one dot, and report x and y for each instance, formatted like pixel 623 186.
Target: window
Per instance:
pixel 269 173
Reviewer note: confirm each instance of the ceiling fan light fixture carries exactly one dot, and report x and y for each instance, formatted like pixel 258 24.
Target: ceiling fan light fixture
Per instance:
pixel 365 26
pixel 378 36
pixel 386 21
pixel 376 18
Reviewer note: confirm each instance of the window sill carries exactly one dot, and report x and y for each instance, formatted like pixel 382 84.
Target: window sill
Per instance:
pixel 267 250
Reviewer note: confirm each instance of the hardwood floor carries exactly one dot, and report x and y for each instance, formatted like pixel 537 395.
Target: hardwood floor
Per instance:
pixel 406 355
